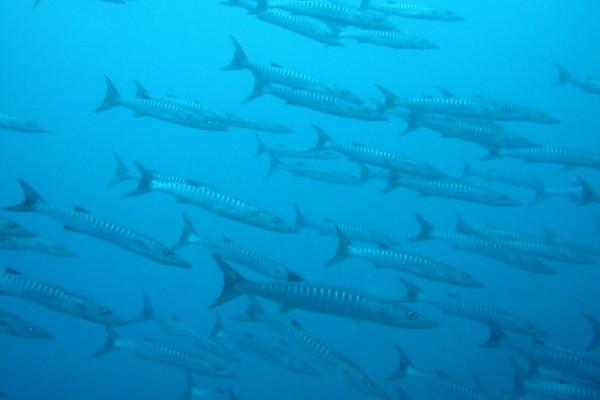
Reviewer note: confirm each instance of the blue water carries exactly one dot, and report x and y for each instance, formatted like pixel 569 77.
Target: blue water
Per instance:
pixel 54 59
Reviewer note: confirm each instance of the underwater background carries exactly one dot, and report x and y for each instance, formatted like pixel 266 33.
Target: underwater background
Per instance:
pixel 54 59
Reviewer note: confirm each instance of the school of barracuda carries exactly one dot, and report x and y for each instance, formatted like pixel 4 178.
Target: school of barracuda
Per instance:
pixel 542 370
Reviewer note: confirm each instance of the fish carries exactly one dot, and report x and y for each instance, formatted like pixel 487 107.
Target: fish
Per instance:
pixel 18 124
pixel 11 244
pixel 333 361
pixel 438 380
pixel 330 227
pixel 479 245
pixel 539 386
pixel 192 391
pixel 595 325
pixel 556 358
pixel 294 151
pixel 580 192
pixel 123 174
pixel 387 38
pixel 10 228
pixel 13 325
pixel 211 199
pixel 316 101
pixel 174 326
pixel 44 246
pixel 216 117
pixel 150 350
pixel 413 10
pixel 334 13
pixel 568 158
pixel 81 221
pixel 272 354
pixel 13 283
pixel 489 136
pixel 573 243
pixel 381 158
pixel 589 85
pixel 168 111
pixel 466 107
pixel 317 173
pixel 493 175
pixel 385 257
pixel 449 189
pixel 452 304
pixel 229 250
pixel 323 299
pixel 275 74
pixel 527 246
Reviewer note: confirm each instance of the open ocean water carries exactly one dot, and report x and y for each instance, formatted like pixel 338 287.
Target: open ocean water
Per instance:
pixel 54 61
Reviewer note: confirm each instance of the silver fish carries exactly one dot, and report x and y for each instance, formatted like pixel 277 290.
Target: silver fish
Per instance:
pixel 81 221
pixel 413 10
pixel 20 125
pixel 317 173
pixel 388 258
pixel 45 246
pixel 589 85
pixel 12 325
pixel 569 158
pixel 211 199
pixel 11 228
pixel 387 38
pixel 496 176
pixel 13 283
pixel 324 299
pixel 294 151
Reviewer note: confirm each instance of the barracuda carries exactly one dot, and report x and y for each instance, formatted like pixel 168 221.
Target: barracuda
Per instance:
pixel 10 228
pixel 150 350
pixel 449 189
pixel 195 392
pixel 489 136
pixel 393 39
pixel 476 107
pixel 335 362
pixel 479 245
pixel 316 173
pixel 13 283
pixel 413 10
pixel 20 125
pixel 274 355
pixel 388 258
pixel 493 175
pixel 294 151
pixel 44 246
pixel 81 221
pixel 211 199
pixel 569 158
pixel 277 75
pixel 589 85
pixel 323 299
pixel 455 305
pixel 13 325
pixel 316 101
pixel 169 111
pixel 379 158
pixel 227 249
pixel 335 13
pixel 329 227
pixel 437 380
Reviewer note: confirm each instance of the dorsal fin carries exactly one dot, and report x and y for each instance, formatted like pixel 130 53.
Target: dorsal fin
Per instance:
pixel 296 324
pixel 274 64
pixel 384 246
pixel 148 340
pixel 80 209
pixel 453 296
pixel 12 271
pixel 539 341
pixel 445 92
pixel 227 239
pixel 328 221
pixel 441 374
pixel 175 318
pixel 248 335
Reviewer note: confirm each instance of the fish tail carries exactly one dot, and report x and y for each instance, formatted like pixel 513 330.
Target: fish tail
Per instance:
pixel 467 169
pixel 218 331
pixel 261 148
pixel 563 75
pixel 402 395
pixel 274 164
pixel 322 138
pixel 189 386
pixel 145 183
pixel 404 365
pixel 412 292
pixel 109 344
pixel 111 97
pixel 187 232
pixel 341 253
pixel 595 324
pixel 231 279
pixel 426 229
pixel 301 221
pixel 261 5
pixel 540 192
pixel 252 312
pixel 389 99
pixel 587 192
pixel 30 203
pixel 391 183
pixel 140 91
pixel 257 91
pixel 147 313
pixel 36 3
pixel 495 336
pixel 411 124
pixel 121 172
pixel 239 59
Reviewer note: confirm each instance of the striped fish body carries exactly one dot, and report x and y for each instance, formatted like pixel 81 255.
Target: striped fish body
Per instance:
pixel 543 249
pixel 13 325
pixel 354 232
pixel 449 387
pixel 20 125
pixel 308 27
pixel 413 10
pixel 321 174
pixel 554 155
pixel 558 390
pixel 388 38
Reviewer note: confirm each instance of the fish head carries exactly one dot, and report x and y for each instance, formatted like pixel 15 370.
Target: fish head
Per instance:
pixel 528 328
pixel 11 228
pixel 396 314
pixel 163 255
pixel 362 382
pixel 98 313
pixel 502 200
pixel 29 330
pixel 463 278
pixel 7 243
pixel 275 223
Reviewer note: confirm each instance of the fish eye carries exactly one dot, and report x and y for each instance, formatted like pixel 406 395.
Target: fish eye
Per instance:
pixel 169 252
pixel 29 328
pixel 12 225
pixel 467 276
pixel 367 381
pixel 105 311
pixel 277 220
pixel 411 314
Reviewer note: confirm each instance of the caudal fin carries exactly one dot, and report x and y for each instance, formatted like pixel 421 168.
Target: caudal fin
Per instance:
pixel 467 169
pixel 109 344
pixel 563 75
pixel 341 253
pixel 145 181
pixel 252 313
pixel 147 313
pixel 31 201
pixel 426 229
pixel 587 192
pixel 404 365
pixel 218 331
pixel 389 98
pixel 261 148
pixel 540 191
pixel 239 59
pixel 257 91
pixel 301 221
pixel 110 98
pixel 391 183
pixel 121 173
pixel 187 233
pixel 322 138
pixel 402 395
pixel 595 325
pixel 274 165
pixel 36 3
pixel 412 292
pixel 495 336
pixel 231 279
pixel 189 387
